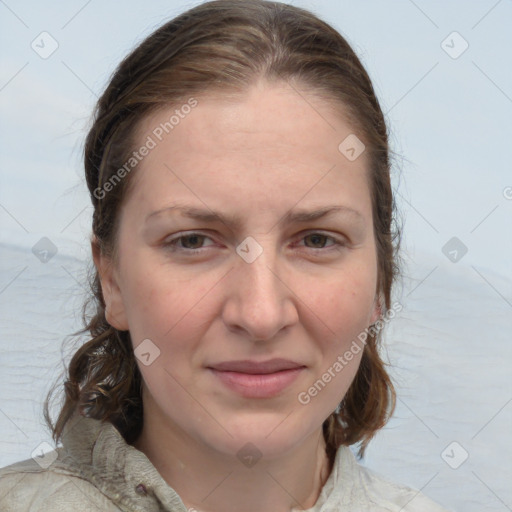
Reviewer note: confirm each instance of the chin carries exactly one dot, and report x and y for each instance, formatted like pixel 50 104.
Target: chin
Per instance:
pixel 270 434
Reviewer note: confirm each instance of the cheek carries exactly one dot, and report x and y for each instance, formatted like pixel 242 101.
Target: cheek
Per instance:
pixel 345 304
pixel 345 307
pixel 166 307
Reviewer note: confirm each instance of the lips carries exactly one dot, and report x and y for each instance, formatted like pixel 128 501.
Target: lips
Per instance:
pixel 253 367
pixel 252 379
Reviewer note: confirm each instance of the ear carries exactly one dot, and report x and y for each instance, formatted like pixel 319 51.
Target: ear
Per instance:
pixel 114 306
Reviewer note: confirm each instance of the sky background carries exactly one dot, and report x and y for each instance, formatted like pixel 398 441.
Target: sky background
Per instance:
pixel 448 102
pixel 450 118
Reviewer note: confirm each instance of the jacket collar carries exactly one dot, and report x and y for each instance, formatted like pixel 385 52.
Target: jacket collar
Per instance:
pixel 97 452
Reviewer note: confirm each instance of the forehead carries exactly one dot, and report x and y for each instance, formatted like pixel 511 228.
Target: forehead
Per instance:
pixel 264 117
pixel 274 143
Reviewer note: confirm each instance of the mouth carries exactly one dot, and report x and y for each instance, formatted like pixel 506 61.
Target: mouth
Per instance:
pixel 252 379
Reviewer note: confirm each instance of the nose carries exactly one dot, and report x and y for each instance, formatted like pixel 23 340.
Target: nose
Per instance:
pixel 260 301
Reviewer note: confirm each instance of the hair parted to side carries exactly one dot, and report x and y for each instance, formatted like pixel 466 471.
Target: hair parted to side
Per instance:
pixel 219 46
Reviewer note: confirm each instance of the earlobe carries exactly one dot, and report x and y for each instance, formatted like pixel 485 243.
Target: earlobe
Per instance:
pixel 114 306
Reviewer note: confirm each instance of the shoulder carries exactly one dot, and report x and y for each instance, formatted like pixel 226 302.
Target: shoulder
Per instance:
pixel 395 497
pixel 373 492
pixel 26 485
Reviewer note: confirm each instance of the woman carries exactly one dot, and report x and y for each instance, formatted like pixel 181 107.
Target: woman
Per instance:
pixel 245 253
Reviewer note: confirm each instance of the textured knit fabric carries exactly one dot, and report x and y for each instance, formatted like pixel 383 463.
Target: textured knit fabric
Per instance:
pixel 96 470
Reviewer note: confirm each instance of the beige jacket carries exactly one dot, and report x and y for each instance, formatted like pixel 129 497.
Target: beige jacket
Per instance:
pixel 96 470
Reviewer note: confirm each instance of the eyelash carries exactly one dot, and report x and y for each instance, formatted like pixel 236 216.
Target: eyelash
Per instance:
pixel 172 244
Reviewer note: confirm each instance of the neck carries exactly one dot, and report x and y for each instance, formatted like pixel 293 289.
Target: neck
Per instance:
pixel 209 481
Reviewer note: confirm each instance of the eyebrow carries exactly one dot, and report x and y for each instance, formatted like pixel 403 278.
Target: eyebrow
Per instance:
pixel 291 217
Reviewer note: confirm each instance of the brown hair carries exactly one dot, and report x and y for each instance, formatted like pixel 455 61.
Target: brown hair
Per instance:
pixel 226 45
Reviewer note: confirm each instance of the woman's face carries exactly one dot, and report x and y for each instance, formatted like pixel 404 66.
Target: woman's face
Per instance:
pixel 241 323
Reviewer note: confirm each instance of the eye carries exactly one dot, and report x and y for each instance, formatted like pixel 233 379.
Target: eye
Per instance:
pixel 191 242
pixel 318 241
